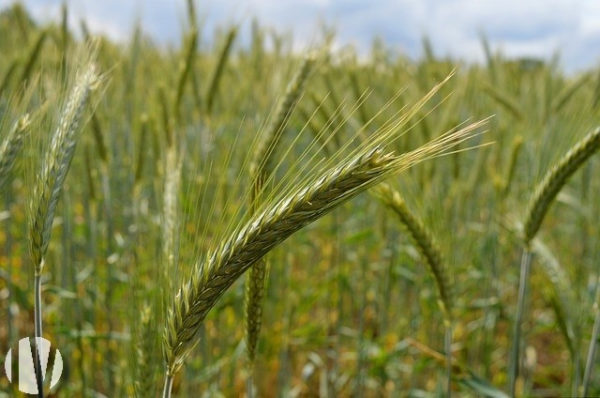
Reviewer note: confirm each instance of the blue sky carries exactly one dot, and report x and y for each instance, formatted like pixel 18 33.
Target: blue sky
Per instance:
pixel 516 27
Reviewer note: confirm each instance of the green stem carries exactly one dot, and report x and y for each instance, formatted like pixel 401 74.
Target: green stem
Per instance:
pixel 38 332
pixel 250 383
pixel 589 363
pixel 168 386
pixel 448 349
pixel 516 343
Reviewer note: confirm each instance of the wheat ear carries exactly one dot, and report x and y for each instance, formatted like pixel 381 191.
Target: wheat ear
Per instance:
pixel 555 179
pixel 11 146
pixel 213 88
pixel 186 70
pixel 56 165
pixel 264 231
pixel 517 145
pixel 424 241
pixel 274 223
pixel 10 71
pixel 145 374
pixel 33 56
pixel 505 101
pixel 261 170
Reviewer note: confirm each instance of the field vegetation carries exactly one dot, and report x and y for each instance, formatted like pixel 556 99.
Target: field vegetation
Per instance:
pixel 221 218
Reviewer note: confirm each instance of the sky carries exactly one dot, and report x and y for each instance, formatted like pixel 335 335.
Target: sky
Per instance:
pixel 537 28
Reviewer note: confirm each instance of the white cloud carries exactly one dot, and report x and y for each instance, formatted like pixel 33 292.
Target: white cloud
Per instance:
pixel 519 28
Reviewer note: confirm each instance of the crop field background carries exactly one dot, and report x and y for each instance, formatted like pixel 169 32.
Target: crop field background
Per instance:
pixel 148 192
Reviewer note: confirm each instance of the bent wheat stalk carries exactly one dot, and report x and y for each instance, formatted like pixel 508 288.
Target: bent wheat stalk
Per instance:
pixel 543 197
pixel 273 224
pixel 49 186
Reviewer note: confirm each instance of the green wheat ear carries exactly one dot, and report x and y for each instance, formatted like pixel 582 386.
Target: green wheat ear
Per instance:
pixel 424 241
pixel 56 164
pixel 554 180
pixel 215 80
pixel 11 146
pixel 273 223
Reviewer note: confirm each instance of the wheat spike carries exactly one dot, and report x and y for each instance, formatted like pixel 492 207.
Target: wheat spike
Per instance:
pixel 274 223
pixel 213 88
pixel 11 146
pixel 56 164
pixel 264 231
pixel 425 242
pixel 263 154
pixel 144 385
pixel 555 179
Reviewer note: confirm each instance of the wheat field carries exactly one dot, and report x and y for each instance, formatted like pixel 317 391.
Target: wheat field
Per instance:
pixel 220 218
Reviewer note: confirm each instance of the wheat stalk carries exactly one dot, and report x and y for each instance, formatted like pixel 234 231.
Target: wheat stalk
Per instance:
pixel 11 146
pixel 424 241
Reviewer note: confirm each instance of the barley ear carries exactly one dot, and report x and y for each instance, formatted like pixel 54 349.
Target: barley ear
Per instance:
pixel 554 180
pixel 265 230
pixel 10 147
pixel 186 70
pixel 505 101
pixel 273 223
pixel 264 153
pixel 10 71
pixel 145 374
pixel 215 80
pixel 517 145
pixel 32 56
pixel 424 241
pixel 56 164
